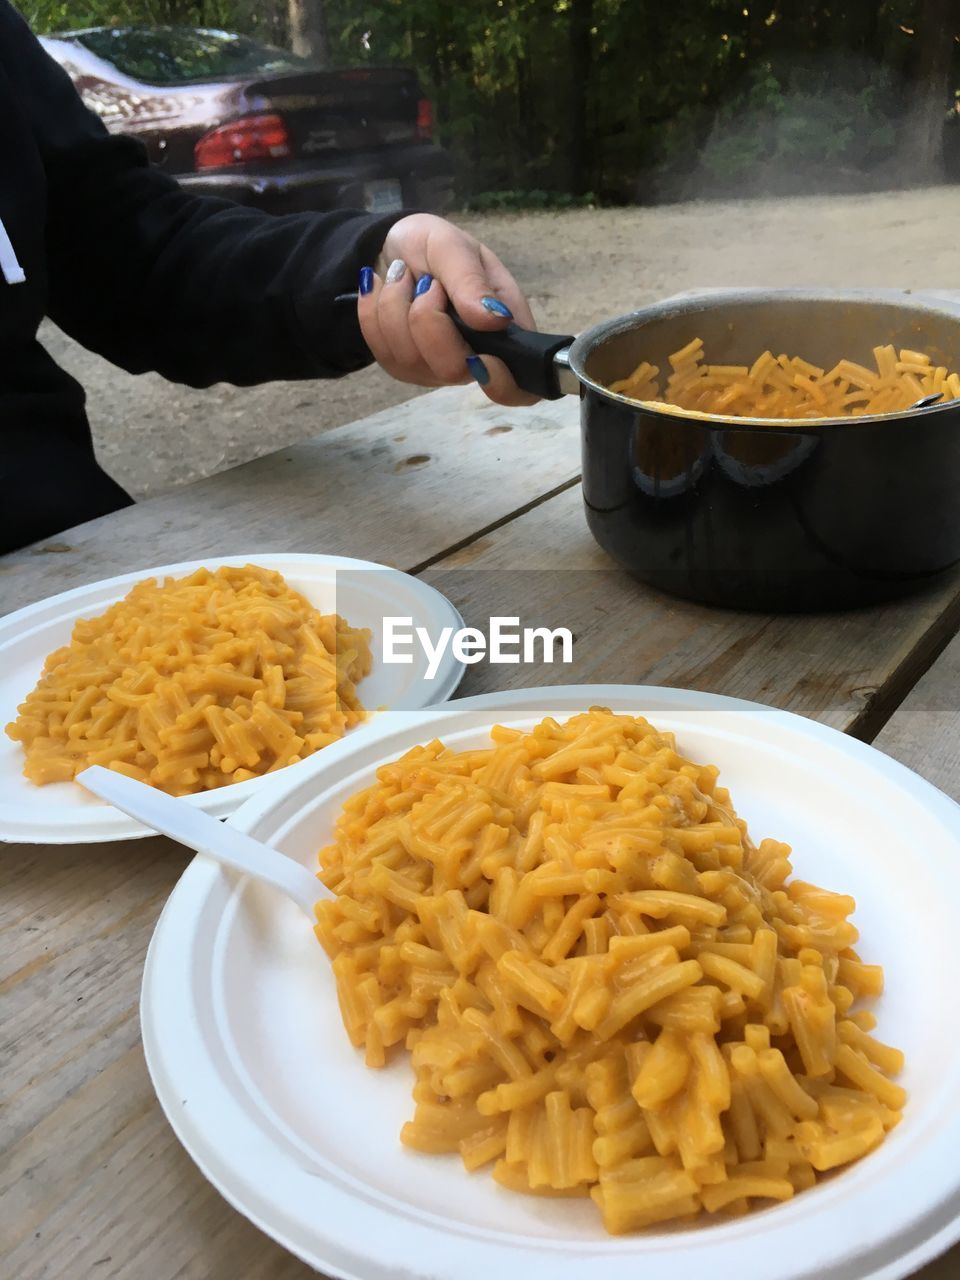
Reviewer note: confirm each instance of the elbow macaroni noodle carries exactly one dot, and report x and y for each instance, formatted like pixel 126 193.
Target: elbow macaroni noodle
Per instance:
pixel 195 683
pixel 785 387
pixel 606 988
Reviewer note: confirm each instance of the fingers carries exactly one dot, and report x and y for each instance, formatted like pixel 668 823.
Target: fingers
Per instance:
pixel 437 341
pixel 507 289
pixel 383 310
pixel 496 381
pixel 501 285
pixel 484 294
pixel 449 357
pixel 393 306
pixel 482 290
pixel 405 323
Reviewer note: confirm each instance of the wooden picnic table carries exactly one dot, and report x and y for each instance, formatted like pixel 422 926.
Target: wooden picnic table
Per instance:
pixel 485 502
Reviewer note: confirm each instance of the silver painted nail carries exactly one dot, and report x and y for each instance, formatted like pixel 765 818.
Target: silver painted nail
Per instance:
pixel 396 271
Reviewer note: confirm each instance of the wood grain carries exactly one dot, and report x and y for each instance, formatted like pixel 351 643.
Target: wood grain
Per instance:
pixel 93 1178
pixel 946 1267
pixel 844 669
pixel 924 731
pixel 402 487
pixel 92 1181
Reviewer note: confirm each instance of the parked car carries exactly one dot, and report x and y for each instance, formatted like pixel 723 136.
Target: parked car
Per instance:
pixel 230 116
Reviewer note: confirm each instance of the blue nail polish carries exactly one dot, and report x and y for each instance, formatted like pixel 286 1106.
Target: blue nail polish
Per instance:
pixel 366 280
pixel 478 370
pixel 497 307
pixel 423 284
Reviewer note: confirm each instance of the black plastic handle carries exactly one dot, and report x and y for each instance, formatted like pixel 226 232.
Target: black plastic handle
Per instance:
pixel 528 354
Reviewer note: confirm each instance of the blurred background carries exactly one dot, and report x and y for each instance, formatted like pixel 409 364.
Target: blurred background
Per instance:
pixel 544 101
pixel 611 151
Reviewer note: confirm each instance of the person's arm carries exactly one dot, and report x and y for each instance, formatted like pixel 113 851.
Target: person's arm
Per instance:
pixel 205 291
pixel 153 278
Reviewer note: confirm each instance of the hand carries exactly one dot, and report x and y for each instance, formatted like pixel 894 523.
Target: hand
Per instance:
pixel 425 262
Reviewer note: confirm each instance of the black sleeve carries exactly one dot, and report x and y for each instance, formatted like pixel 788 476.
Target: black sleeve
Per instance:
pixel 198 289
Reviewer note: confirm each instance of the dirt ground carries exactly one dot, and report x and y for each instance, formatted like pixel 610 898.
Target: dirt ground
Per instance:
pixel 577 268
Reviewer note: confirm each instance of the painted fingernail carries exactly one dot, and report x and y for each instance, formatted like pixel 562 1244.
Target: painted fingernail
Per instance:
pixel 423 284
pixel 497 307
pixel 478 370
pixel 396 270
pixel 366 280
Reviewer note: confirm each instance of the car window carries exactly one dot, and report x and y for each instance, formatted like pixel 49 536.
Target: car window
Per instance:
pixel 179 55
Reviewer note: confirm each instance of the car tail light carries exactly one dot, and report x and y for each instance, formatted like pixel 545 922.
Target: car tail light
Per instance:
pixel 424 119
pixel 252 138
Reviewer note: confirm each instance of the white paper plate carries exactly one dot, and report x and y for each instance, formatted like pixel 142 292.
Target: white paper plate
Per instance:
pixel 362 592
pixel 251 1064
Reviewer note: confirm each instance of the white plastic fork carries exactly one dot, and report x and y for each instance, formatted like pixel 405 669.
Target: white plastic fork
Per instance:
pixel 197 830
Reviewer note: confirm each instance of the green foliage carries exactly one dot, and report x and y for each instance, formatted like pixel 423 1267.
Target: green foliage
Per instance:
pixel 627 99
pixel 48 16
pixel 805 121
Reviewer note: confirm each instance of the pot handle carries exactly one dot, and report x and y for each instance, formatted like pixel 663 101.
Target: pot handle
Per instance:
pixel 537 361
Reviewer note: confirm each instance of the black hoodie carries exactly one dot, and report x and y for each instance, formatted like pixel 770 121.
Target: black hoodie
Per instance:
pixel 151 278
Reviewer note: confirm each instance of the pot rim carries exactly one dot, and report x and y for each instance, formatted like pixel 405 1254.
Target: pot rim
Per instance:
pixel 714 299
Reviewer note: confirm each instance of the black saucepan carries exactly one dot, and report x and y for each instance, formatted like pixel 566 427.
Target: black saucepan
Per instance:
pixel 751 513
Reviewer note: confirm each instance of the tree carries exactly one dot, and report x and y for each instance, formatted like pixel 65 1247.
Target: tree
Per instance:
pixel 928 91
pixel 630 99
pixel 309 34
pixel 578 136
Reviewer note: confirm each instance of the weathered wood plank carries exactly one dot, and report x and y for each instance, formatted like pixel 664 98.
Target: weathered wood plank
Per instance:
pixel 92 1180
pixel 75 925
pixel 924 731
pixel 845 669
pixel 91 1164
pixel 401 487
pixel 946 1267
